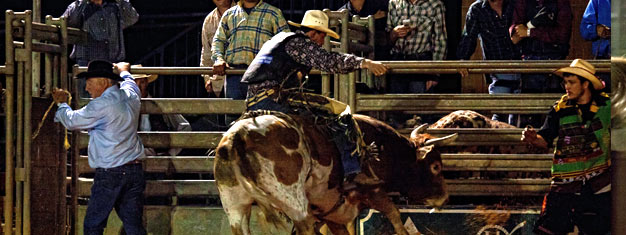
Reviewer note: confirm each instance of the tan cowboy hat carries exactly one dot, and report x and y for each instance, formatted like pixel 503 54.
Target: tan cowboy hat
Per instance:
pixel 151 77
pixel 584 69
pixel 317 20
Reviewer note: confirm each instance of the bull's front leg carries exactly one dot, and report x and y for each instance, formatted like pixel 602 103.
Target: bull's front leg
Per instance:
pixel 379 200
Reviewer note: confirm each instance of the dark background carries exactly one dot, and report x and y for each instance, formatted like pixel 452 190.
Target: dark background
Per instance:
pixel 168 34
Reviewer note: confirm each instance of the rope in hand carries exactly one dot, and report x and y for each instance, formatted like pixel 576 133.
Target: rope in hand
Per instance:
pixel 66 142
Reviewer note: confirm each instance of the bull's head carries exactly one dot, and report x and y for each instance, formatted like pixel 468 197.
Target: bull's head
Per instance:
pixel 428 170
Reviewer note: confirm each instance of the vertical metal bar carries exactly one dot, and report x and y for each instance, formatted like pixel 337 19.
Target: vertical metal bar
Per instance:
pixel 9 124
pixel 326 76
pixel 618 218
pixel 36 57
pixel 19 153
pixel 28 99
pixel 371 82
pixel 352 91
pixel 344 85
pixel 75 151
pixel 48 74
pixel 63 58
pixel 55 71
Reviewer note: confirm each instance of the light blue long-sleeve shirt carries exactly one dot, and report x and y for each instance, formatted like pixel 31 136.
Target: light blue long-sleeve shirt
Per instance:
pixel 111 121
pixel 597 12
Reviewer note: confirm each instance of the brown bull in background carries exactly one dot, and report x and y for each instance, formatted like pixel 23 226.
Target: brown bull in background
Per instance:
pixel 288 165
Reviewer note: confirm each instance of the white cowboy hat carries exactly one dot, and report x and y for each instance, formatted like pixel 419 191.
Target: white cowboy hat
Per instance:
pixel 317 20
pixel 584 69
pixel 151 77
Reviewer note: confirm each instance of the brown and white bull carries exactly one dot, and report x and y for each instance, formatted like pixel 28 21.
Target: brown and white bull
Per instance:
pixel 286 165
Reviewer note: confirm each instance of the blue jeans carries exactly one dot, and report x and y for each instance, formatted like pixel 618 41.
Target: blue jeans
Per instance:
pixel 233 88
pixel 121 188
pixel 505 84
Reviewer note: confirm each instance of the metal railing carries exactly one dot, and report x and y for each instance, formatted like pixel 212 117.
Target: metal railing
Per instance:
pixel 51 38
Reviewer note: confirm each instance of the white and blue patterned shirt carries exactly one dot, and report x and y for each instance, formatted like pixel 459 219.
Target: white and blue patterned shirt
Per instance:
pixel 111 121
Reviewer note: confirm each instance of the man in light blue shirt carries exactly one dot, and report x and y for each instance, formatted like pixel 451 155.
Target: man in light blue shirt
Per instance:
pixel 111 119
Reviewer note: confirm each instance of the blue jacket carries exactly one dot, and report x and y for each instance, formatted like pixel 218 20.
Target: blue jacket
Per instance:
pixel 597 12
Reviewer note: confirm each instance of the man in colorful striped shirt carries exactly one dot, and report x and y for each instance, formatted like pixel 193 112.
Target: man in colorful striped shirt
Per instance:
pixel 239 37
pixel 580 193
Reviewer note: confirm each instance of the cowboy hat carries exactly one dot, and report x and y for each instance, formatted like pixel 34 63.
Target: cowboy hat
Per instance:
pixel 151 77
pixel 99 68
pixel 584 69
pixel 317 20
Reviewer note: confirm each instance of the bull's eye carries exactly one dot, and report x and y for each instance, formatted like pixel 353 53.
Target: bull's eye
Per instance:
pixel 435 168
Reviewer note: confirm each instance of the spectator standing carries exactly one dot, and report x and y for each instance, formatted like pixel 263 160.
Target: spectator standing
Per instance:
pixel 155 122
pixel 377 9
pixel 417 31
pixel 242 31
pixel 114 147
pixel 542 28
pixel 104 21
pixel 580 192
pixel 595 26
pixel 212 83
pixel 489 20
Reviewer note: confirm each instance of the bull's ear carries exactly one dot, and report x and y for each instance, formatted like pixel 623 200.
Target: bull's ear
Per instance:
pixel 443 141
pixel 423 151
pixel 419 130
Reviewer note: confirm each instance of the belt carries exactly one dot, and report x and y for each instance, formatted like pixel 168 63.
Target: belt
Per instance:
pixel 133 162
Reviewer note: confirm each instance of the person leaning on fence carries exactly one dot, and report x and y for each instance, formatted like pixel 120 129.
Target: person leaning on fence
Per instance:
pixel 490 20
pixel 277 71
pixel 242 31
pixel 158 122
pixel 542 28
pixel 580 193
pixel 103 20
pixel 114 147
pixel 417 31
pixel 212 83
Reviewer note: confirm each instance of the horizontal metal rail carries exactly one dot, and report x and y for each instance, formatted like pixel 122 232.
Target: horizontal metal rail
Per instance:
pixel 444 66
pixel 445 103
pixel 182 70
pixel 457 187
pixel 451 162
pixel 210 139
pixel 181 188
pixel 45 32
pixel 192 106
pixel 41 47
pixel 171 139
pixel 497 162
pixel 3 69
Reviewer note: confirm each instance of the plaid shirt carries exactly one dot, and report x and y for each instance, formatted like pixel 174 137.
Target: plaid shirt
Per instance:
pixel 493 30
pixel 239 36
pixel 104 25
pixel 211 22
pixel 429 33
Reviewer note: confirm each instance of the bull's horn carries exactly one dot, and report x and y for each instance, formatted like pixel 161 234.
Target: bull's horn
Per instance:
pixel 419 130
pixel 443 141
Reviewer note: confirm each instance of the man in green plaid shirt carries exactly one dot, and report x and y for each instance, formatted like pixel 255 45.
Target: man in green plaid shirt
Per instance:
pixel 239 37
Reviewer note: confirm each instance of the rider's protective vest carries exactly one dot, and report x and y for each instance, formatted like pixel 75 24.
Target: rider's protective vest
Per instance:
pixel 273 63
pixel 582 147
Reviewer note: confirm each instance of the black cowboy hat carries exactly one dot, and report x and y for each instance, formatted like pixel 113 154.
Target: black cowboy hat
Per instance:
pixel 100 68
